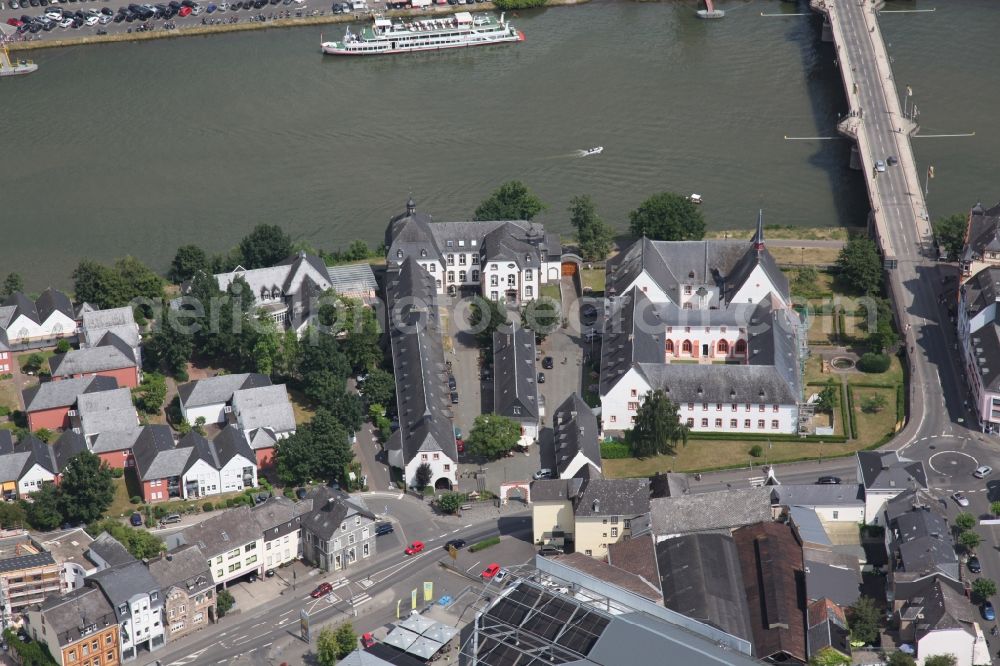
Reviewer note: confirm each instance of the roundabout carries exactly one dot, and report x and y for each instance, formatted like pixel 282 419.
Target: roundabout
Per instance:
pixel 953 464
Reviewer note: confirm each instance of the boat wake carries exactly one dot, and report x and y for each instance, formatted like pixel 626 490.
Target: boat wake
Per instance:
pixel 590 151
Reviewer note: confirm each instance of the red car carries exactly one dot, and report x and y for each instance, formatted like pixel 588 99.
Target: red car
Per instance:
pixel 490 571
pixel 367 640
pixel 461 445
pixel 415 547
pixel 183 11
pixel 17 23
pixel 321 590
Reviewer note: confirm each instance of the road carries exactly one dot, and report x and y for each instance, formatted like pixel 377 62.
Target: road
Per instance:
pixel 260 628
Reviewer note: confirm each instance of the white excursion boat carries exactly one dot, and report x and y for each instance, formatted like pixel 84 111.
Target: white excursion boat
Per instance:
pixel 695 198
pixel 429 34
pixel 592 151
pixel 9 67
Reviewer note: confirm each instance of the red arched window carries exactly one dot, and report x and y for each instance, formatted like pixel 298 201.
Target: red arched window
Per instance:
pixel 670 346
pixel 686 347
pixel 723 347
pixel 741 346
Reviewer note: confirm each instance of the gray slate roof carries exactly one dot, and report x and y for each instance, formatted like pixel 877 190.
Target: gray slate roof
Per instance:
pixel 575 431
pixel 980 292
pixel 329 509
pixel 847 495
pixel 219 534
pixel 107 410
pixel 83 607
pixel 219 389
pixel 51 301
pixel 17 305
pixel 118 321
pixel 942 608
pixel 116 440
pixel 418 363
pixel 122 582
pixel 722 510
pixel 69 445
pixel 264 407
pixel 700 577
pixel 111 550
pixel 289 276
pixel 633 335
pixel 983 232
pixel 155 455
pixel 515 393
pixel 111 354
pixel 921 542
pixel 886 470
pixel 279 516
pixel 63 393
pixel 555 490
pixel 838 579
pixel 612 497
pixel 185 568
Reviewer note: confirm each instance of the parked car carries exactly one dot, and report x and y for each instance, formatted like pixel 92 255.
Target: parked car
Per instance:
pixel 415 548
pixel 460 443
pixel 184 11
pixel 384 528
pixel 452 384
pixel 500 575
pixel 548 551
pixel 454 397
pixel 960 499
pixel 269 573
pixel 136 519
pixel 988 612
pixel 321 590
pixel 544 473
pixel 457 543
pixel 982 471
pixel 367 640
pixel 974 565
pixel 828 480
pixel 14 22
pixel 490 571
pixel 541 377
pixel 547 362
pixel 171 519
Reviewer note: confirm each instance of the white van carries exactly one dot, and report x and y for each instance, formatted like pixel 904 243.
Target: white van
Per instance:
pixel 359 4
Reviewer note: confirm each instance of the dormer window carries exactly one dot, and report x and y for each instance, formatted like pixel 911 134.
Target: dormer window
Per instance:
pixel 399 254
pixel 423 253
pixel 451 243
pixel 687 290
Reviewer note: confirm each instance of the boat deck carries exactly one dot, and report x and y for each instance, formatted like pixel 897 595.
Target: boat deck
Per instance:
pixel 428 27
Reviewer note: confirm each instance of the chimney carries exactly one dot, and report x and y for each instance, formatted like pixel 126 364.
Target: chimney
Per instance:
pixel 596 505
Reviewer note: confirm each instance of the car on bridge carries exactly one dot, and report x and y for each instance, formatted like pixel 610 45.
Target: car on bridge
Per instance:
pixel 891 160
pixel 880 166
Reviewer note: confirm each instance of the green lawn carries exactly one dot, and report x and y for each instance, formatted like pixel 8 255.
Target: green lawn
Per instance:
pixel 120 506
pixel 873 427
pixel 304 409
pixel 8 395
pixel 551 290
pixel 790 233
pixel 47 354
pixel 592 278
pixel 894 375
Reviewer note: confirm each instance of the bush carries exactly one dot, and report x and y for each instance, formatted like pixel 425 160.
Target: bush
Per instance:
pixel 62 346
pixel 451 502
pixel 756 451
pixel 135 499
pixel 615 450
pixel 207 506
pixel 874 363
pixel 485 543
pixel 117 472
pixel 224 602
pixel 159 511
pixel 289 492
pixel 220 506
pixel 4 410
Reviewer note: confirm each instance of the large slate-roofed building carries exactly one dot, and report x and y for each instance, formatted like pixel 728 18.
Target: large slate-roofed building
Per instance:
pixel 576 439
pixel 515 392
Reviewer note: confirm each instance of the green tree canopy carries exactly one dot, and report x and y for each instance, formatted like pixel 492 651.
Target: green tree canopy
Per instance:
pixel 995 507
pixel 423 475
pixel 965 521
pixel 347 640
pixel 667 216
pixel 12 515
pixel 828 397
pixel 492 436
pixel 140 543
pixel 511 201
pixel 860 265
pixel 451 502
pixel 189 260
pixel 657 428
pixel 829 657
pixel 379 388
pixel 874 403
pixel 485 317
pixel 12 284
pixel 224 602
pixel 327 647
pixel 168 348
pixel 901 659
pixel 43 510
pixel 319 450
pixel 941 660
pixel 864 618
pixel 593 235
pixel 87 488
pixel 970 540
pixel 542 316
pixel 265 246
pixel 116 286
pixel 151 393
pixel 950 233
pixel 982 588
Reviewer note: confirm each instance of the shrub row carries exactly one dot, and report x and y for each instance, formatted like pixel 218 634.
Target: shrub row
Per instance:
pixel 615 450
pixel 850 410
pixel 756 437
pixel 485 543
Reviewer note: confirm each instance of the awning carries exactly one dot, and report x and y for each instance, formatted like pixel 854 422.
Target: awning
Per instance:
pixel 401 638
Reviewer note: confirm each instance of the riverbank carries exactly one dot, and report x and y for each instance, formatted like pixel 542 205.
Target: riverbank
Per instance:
pixel 291 22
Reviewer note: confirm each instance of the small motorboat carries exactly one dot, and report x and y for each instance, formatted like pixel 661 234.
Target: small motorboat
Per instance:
pixel 597 150
pixel 695 198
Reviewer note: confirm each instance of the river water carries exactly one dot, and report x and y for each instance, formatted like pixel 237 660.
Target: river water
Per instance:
pixel 137 148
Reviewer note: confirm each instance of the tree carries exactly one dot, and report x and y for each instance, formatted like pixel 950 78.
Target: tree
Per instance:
pixel 44 434
pixel 265 246
pixel 199 425
pixel 863 619
pixel 950 233
pixel 667 216
pixel 347 408
pixel 829 657
pixel 828 397
pixel 883 338
pixel 657 428
pixel 43 510
pixel 805 282
pixel 423 475
pixel 12 515
pixel 874 363
pixel 63 346
pixel 995 508
pixel 541 316
pixel 317 450
pixel 327 647
pixel 492 436
pixel 151 393
pixel 379 388
pixel 168 348
pixel 593 235
pixel 12 284
pixel 138 281
pixel 965 521
pixel 970 540
pixel 901 659
pixel 860 265
pixel 140 543
pixel 189 260
pixel 347 640
pixel 87 488
pixel 451 502
pixel 941 660
pixel 33 364
pixel 983 588
pixel 485 317
pixel 511 201
pixel 224 602
pixel 116 286
pixel 874 403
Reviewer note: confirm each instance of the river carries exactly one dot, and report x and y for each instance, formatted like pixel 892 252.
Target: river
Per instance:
pixel 138 148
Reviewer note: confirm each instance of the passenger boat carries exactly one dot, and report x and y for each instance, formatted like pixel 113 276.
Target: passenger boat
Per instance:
pixel 592 151
pixel 429 34
pixel 695 198
pixel 9 68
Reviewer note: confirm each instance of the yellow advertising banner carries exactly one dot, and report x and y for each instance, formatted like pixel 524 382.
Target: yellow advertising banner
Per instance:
pixel 428 591
pixel 413 599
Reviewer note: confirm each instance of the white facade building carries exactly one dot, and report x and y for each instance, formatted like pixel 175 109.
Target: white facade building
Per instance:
pixel 39 323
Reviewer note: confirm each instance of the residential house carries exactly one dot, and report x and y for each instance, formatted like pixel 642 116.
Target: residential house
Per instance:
pixel 978 326
pixel 265 415
pixel 831 574
pixel 355 281
pixel 107 552
pixel 938 619
pixel 826 629
pixel 576 439
pixel 193 467
pixel 586 515
pixel 288 292
pixel 78 628
pixel 111 357
pixel 982 240
pixel 885 475
pixel 25 466
pixel 280 522
pixel 337 531
pixel 29 325
pixel 515 392
pixel 97 325
pixel 135 597
pixel 679 310
pixel 6 366
pixel 211 399
pixel 832 503
pixel 503 261
pixel 919 542
pixel 722 511
pixel 110 423
pixel 230 541
pixel 69 549
pixel 28 574
pixel 771 565
pixel 425 434
pixel 187 590
pixel 48 404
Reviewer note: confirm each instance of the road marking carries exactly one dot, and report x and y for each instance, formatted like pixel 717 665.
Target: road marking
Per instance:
pixel 259 624
pixel 456 531
pixel 265 645
pixel 930 461
pixel 287 612
pixel 244 637
pixel 467 527
pixel 473 567
pixel 441 536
